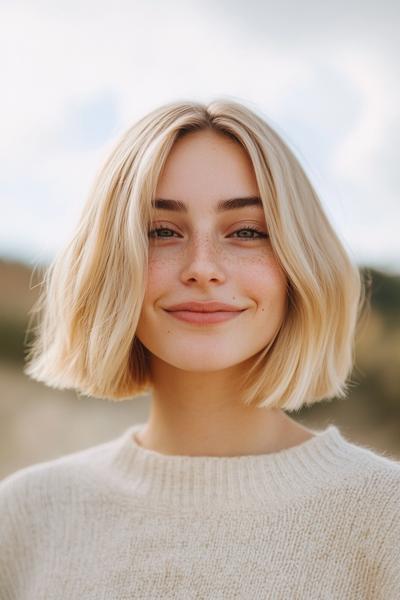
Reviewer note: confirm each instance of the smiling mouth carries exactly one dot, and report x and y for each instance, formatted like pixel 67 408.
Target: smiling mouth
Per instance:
pixel 205 318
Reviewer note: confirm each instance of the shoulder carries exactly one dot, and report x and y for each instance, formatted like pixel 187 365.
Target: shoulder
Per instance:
pixel 377 472
pixel 37 483
pixel 374 463
pixel 38 503
pixel 372 499
pixel 380 500
pixel 370 481
pixel 359 481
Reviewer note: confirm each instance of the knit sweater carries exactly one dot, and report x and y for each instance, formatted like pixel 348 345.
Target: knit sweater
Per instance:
pixel 117 521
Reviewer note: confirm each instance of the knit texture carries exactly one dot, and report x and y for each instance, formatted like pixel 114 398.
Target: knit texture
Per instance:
pixel 319 520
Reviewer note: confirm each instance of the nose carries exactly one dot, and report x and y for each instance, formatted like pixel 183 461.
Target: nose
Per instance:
pixel 202 262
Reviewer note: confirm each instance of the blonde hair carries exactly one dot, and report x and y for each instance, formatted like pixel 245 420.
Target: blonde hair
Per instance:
pixel 93 291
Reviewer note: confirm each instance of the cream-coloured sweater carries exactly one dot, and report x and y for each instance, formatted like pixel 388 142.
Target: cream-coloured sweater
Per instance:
pixel 320 520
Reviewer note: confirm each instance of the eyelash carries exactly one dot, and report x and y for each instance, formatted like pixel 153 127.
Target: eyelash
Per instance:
pixel 261 233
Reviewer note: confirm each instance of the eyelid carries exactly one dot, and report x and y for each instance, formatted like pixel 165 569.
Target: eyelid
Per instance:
pixel 251 223
pixel 253 227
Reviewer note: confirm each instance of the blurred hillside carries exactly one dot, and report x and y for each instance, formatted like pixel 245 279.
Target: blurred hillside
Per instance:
pixel 17 296
pixel 38 423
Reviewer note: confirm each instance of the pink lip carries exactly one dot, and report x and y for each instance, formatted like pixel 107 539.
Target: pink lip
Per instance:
pixel 204 307
pixel 204 318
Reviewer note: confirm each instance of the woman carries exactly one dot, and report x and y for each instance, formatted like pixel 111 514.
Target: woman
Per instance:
pixel 204 271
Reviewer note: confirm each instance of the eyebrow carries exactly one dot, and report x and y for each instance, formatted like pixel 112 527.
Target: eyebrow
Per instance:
pixel 223 205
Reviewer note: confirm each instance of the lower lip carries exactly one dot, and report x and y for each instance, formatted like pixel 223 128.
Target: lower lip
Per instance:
pixel 204 318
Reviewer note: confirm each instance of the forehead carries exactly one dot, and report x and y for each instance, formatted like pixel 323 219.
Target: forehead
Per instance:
pixel 207 166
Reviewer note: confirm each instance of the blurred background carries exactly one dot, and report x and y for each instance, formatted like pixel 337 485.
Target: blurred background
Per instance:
pixel 75 75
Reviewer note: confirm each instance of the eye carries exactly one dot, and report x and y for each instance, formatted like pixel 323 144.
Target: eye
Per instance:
pixel 250 230
pixel 152 233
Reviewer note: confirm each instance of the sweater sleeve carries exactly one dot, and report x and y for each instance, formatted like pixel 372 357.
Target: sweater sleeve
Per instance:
pixel 390 551
pixel 15 535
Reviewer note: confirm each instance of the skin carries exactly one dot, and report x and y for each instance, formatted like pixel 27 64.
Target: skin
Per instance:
pixel 195 407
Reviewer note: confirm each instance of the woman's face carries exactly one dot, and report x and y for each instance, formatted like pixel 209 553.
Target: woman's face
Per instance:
pixel 203 255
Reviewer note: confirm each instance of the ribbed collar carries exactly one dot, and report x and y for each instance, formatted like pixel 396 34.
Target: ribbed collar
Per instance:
pixel 199 482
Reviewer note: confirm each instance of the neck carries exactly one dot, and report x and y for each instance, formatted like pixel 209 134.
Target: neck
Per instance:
pixel 193 414
pixel 217 428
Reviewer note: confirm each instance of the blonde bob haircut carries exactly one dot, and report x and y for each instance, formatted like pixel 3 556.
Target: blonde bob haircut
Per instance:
pixel 92 293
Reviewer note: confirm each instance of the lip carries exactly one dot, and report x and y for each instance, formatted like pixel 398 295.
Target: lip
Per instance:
pixel 204 318
pixel 204 307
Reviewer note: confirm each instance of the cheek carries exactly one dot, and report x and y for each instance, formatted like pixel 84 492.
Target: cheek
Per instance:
pixel 159 276
pixel 264 279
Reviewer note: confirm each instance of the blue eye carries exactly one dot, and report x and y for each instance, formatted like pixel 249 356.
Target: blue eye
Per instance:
pixel 152 233
pixel 252 230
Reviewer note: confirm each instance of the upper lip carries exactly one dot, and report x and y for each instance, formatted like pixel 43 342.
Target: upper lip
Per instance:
pixel 204 307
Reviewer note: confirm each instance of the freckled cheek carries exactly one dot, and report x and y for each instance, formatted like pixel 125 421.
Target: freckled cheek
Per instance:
pixel 159 276
pixel 265 283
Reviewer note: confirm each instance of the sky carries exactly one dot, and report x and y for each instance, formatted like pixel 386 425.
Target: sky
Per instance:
pixel 75 75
